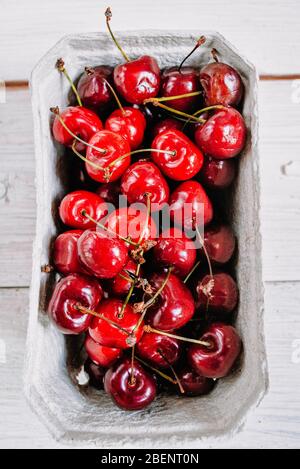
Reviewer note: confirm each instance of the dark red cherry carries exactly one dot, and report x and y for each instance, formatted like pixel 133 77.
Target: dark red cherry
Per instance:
pixel 101 355
pixel 217 174
pixel 124 333
pixel 215 361
pixel 175 249
pixel 223 135
pixel 219 241
pixel 72 205
pixel 109 192
pixel 190 205
pixel 82 122
pixel 102 255
pixel 131 388
pixel 69 292
pixel 221 84
pixel 93 89
pixel 144 177
pixel 220 293
pixel 95 372
pixel 128 122
pixel 185 161
pixel 175 82
pixel 138 79
pixel 166 124
pixel 193 383
pixel 154 347
pixel 119 285
pixel 115 147
pixel 175 305
pixel 65 255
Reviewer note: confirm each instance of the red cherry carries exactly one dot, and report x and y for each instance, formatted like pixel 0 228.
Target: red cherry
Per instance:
pixel 175 249
pixel 199 211
pixel 194 384
pixel 115 335
pixel 93 89
pixel 176 82
pixel 222 84
pixel 186 161
pixel 102 255
pixel 109 192
pixel 219 292
pixel 144 177
pixel 166 124
pixel 119 286
pixel 128 122
pixel 219 241
pixel 101 355
pixel 65 255
pixel 131 388
pixel 96 373
pixel 217 360
pixel 115 147
pixel 153 347
pixel 217 174
pixel 68 293
pixel 174 307
pixel 138 79
pixel 223 135
pixel 71 206
pixel 82 122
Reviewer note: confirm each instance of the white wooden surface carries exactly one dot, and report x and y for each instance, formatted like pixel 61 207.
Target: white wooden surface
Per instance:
pixel 268 33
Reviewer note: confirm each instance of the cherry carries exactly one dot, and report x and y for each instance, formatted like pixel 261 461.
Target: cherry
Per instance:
pixel 115 147
pixel 217 360
pixel 95 372
pixel 144 177
pixel 93 89
pixel 219 292
pixel 71 206
pixel 223 135
pixel 101 355
pixel 176 82
pixel 109 192
pixel 175 249
pixel 81 121
pixel 186 160
pixel 217 174
pixel 124 329
pixel 128 122
pixel 129 385
pixel 154 347
pixel 104 256
pixel 65 255
pixel 166 124
pixel 121 284
pixel 194 384
pixel 68 293
pixel 221 84
pixel 219 241
pixel 175 305
pixel 200 210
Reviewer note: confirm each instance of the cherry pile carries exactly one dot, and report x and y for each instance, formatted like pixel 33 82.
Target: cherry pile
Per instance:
pixel 156 311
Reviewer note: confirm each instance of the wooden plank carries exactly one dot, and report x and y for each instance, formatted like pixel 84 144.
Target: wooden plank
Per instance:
pixel 275 423
pixel 266 32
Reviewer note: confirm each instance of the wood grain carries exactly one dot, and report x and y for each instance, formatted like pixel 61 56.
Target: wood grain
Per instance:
pixel 266 32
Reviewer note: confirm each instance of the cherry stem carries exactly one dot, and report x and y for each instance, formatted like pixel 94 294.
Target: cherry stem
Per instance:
pixel 83 158
pixel 205 250
pixel 199 43
pixel 60 65
pixel 205 109
pixel 191 271
pixel 114 95
pixel 214 54
pixel 55 110
pixel 170 98
pixel 173 371
pixel 108 16
pixel 126 278
pixel 148 329
pixel 129 294
pixel 85 310
pixel 160 373
pixel 175 111
pixel 147 195
pixel 141 150
pixel 132 378
pixel 85 214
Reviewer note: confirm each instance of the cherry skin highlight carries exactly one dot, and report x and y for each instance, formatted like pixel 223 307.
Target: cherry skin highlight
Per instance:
pixel 93 89
pixel 128 122
pixel 72 205
pixel 175 82
pixel 65 255
pixel 101 355
pixel 154 347
pixel 221 84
